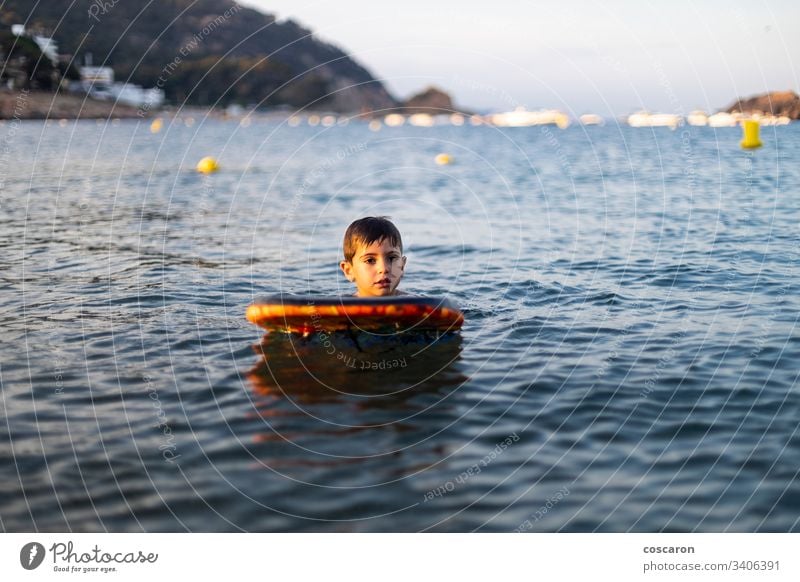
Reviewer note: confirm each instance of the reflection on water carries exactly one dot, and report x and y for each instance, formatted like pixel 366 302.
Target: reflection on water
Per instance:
pixel 370 370
pixel 296 379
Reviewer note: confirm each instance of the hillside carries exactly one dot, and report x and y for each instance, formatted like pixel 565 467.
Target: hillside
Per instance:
pixel 776 103
pixel 205 52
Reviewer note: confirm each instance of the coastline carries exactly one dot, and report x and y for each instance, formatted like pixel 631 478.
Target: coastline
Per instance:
pixel 46 105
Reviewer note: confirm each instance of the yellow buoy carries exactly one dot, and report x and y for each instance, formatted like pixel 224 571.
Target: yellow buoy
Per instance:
pixel 207 165
pixel 156 126
pixel 750 137
pixel 443 159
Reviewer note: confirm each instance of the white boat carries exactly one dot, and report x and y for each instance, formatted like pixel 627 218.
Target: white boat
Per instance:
pixel 456 119
pixel 521 117
pixel 645 119
pixel 771 120
pixel 394 120
pixel 723 119
pixel 421 120
pixel 591 119
pixel 697 118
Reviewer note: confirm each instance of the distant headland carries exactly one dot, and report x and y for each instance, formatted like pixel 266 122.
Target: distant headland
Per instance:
pixel 776 103
pixel 210 53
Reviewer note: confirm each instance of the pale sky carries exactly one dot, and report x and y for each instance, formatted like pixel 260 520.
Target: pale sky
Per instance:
pixel 610 57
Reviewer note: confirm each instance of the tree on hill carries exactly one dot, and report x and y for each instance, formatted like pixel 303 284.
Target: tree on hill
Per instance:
pixel 23 66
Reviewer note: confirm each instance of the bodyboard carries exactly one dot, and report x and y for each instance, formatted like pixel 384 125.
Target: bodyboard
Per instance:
pixel 400 313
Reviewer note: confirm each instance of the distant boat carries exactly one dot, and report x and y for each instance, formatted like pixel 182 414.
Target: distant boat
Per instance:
pixel 697 118
pixel 456 119
pixel 723 119
pixel 521 117
pixel 771 120
pixel 591 119
pixel 394 120
pixel 645 119
pixel 421 120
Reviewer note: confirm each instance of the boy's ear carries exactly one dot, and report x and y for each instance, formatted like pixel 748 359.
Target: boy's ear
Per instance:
pixel 403 267
pixel 347 269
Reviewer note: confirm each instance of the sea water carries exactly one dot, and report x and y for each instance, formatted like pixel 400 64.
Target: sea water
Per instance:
pixel 629 359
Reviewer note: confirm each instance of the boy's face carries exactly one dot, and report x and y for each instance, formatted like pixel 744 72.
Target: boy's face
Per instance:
pixel 376 269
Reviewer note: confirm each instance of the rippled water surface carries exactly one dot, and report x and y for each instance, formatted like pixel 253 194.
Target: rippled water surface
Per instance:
pixel 629 360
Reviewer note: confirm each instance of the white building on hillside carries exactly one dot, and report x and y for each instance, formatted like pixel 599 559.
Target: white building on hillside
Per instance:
pixel 96 77
pixel 47 45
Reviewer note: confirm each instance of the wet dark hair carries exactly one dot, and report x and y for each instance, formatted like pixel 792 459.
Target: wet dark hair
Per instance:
pixel 367 230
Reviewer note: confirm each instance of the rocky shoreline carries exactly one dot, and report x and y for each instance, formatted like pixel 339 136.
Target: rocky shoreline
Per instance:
pixel 777 103
pixel 24 104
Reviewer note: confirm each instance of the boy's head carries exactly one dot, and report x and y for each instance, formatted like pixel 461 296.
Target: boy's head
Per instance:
pixel 373 256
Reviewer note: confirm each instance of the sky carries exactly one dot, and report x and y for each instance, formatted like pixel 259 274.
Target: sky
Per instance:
pixel 610 57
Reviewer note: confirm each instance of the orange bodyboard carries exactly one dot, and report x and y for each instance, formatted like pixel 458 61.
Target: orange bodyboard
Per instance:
pixel 310 314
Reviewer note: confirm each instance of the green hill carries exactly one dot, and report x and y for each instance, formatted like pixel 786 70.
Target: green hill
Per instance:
pixel 204 52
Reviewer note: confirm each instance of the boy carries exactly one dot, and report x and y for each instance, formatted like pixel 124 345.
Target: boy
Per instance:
pixel 373 257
